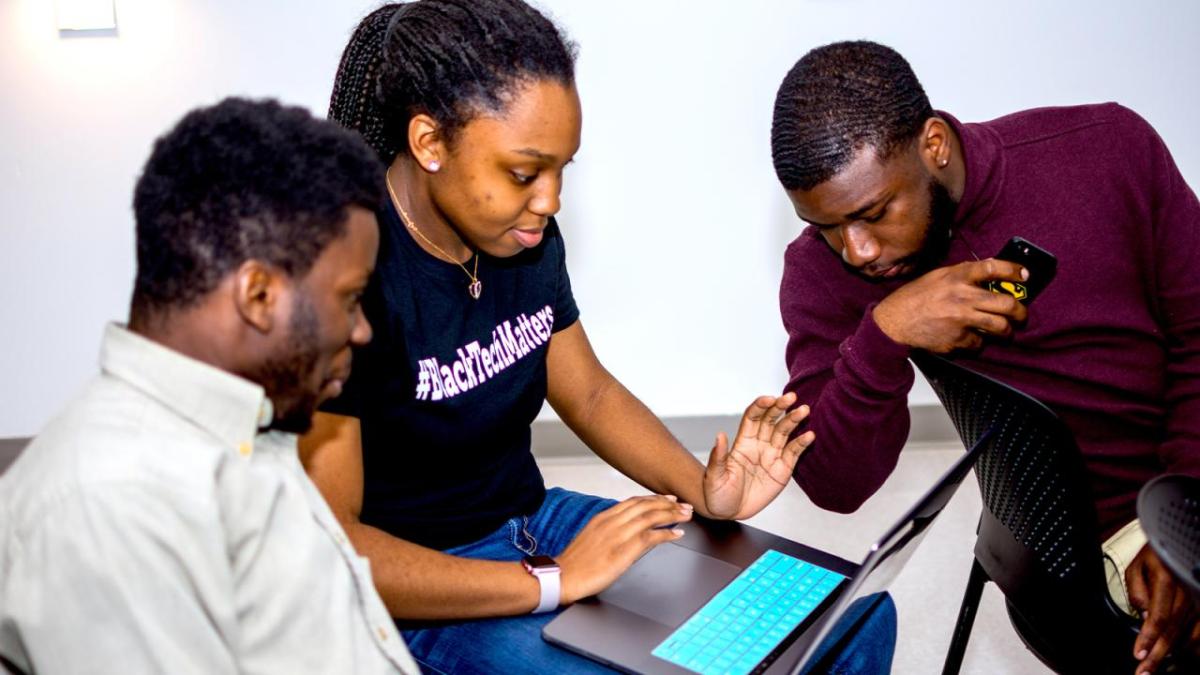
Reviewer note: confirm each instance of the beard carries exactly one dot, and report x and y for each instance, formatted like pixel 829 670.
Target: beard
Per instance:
pixel 939 229
pixel 284 376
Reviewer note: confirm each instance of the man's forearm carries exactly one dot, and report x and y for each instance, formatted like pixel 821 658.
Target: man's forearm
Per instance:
pixel 859 415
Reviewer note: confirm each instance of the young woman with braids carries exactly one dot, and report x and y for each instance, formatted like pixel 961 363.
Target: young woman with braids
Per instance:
pixel 425 457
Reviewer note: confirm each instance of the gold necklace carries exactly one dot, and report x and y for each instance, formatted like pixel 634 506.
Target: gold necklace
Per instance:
pixel 476 286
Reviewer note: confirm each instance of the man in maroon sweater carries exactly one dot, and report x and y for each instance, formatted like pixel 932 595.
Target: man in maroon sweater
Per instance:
pixel 906 205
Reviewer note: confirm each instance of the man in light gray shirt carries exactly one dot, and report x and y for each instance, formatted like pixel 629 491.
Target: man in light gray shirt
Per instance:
pixel 162 522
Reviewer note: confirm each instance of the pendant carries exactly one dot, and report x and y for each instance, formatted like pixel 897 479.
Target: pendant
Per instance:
pixel 475 289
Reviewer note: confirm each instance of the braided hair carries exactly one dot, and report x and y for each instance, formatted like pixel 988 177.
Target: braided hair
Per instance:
pixel 838 99
pixel 449 59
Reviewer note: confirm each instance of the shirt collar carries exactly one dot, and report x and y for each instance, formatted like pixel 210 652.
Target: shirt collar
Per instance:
pixel 229 407
pixel 984 163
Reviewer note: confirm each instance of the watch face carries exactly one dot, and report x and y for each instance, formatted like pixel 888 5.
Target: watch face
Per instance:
pixel 540 562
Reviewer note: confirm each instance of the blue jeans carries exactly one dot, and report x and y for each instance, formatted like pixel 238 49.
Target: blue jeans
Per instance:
pixel 515 645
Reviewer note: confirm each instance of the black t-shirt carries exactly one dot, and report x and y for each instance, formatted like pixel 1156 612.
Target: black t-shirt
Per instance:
pixel 448 386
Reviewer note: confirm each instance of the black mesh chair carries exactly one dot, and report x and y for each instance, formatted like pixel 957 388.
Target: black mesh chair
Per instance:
pixel 1169 508
pixel 1038 539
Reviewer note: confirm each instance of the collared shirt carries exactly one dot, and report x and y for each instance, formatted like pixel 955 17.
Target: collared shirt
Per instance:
pixel 151 527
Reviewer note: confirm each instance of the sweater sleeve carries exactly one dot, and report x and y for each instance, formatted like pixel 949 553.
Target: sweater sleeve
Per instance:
pixel 855 378
pixel 1176 250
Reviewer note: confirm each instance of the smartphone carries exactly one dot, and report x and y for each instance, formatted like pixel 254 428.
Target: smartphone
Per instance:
pixel 1040 263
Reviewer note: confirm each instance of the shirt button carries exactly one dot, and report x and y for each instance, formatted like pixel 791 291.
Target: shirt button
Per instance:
pixel 245 449
pixel 382 633
pixel 266 414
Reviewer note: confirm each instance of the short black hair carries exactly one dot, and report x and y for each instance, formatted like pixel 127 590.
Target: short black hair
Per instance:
pixel 838 99
pixel 243 180
pixel 449 59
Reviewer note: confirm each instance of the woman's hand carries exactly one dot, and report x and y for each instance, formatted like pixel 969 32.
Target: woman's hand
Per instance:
pixel 614 539
pixel 739 482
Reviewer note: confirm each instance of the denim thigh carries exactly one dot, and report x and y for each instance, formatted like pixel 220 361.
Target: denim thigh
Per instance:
pixel 514 644
pixel 511 644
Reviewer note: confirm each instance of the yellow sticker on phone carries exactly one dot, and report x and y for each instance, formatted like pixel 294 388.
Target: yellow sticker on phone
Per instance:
pixel 1011 287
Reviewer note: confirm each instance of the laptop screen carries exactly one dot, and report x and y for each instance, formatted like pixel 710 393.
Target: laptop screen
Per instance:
pixel 887 557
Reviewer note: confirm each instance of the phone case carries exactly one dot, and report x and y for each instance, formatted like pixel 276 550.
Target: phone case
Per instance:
pixel 1041 265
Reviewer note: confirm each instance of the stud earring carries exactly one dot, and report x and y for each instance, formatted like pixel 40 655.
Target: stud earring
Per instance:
pixel 943 163
pixel 434 166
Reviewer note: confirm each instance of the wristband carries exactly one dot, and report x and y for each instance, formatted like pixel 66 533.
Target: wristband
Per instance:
pixel 547 572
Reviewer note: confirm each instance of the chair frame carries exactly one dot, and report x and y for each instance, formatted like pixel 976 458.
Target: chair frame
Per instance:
pixel 1169 508
pixel 1038 538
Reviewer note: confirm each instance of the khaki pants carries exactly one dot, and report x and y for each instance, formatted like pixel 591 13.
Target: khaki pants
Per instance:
pixel 1119 551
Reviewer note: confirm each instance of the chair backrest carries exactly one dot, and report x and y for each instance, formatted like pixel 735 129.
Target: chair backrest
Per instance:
pixel 1038 534
pixel 1169 508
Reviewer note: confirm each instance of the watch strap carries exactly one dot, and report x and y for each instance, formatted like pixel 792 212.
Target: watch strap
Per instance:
pixel 549 576
pixel 551 583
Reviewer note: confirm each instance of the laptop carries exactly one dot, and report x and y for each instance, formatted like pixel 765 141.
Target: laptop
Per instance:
pixel 729 598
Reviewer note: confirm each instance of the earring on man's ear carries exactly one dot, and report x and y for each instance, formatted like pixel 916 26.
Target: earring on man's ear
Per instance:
pixel 434 166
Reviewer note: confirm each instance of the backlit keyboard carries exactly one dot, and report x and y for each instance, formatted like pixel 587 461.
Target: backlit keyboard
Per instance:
pixel 740 626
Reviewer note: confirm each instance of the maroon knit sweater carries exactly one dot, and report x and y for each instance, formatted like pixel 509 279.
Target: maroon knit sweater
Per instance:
pixel 1112 345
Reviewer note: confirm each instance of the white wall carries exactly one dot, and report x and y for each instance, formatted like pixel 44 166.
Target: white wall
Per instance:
pixel 674 223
